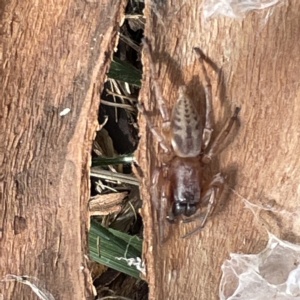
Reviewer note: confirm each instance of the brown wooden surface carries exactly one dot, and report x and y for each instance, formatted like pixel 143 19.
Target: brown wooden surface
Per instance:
pixel 260 62
pixel 54 55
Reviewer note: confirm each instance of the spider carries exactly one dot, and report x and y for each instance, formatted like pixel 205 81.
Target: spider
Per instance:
pixel 177 184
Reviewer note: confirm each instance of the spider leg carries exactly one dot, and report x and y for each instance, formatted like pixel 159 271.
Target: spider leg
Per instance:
pixel 157 87
pixel 206 136
pixel 163 224
pixel 156 133
pixel 160 102
pixel 220 138
pixel 159 195
pixel 210 197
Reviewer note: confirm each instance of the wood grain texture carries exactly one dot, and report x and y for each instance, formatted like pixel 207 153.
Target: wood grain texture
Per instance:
pixel 255 66
pixel 54 55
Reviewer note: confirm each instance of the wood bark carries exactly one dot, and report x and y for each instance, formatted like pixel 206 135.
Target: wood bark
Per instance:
pixel 255 65
pixel 54 55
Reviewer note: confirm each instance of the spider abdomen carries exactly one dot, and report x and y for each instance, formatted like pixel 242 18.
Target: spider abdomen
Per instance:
pixel 186 127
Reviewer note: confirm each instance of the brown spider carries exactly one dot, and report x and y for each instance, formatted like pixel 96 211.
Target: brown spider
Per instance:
pixel 177 184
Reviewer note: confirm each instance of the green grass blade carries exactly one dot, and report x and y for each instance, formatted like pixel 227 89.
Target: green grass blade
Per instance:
pixel 107 245
pixel 134 241
pixel 123 71
pixel 105 161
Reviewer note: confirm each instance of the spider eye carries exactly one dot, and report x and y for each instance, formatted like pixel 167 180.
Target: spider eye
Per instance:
pixel 190 210
pixel 179 209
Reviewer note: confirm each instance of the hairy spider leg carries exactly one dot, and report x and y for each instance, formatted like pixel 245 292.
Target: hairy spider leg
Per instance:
pixel 159 137
pixel 160 102
pixel 210 197
pixel 160 202
pixel 163 231
pixel 206 136
pixel 220 138
pixel 157 88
